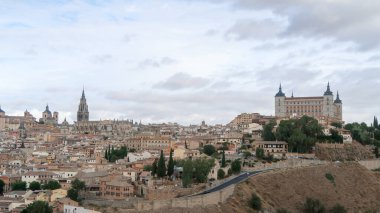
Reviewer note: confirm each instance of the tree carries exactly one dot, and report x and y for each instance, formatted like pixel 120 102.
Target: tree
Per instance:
pixel 78 185
pixel 255 202
pixel 161 168
pixel 185 145
pixel 106 155
pixel 260 153
pixel 2 184
pixel 38 207
pixel 267 133
pixel 147 168
pixel 34 186
pixel 22 145
pixel 170 164
pixel 73 194
pixel 223 159
pixel 313 206
pixel 221 173
pixel 338 209
pixel 52 185
pixel 19 185
pixel 236 166
pixel 375 122
pixel 154 168
pixel 209 149
pixel 187 174
pixel 247 154
pixel 202 168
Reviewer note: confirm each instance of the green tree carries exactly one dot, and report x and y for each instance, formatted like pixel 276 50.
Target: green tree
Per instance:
pixel 375 122
pixel 78 184
pixel 73 194
pixel 38 207
pixel 255 202
pixel 338 209
pixel 209 149
pixel 221 173
pixel 52 185
pixel 260 153
pixel 147 168
pixel 2 184
pixel 247 154
pixel 377 152
pixel 236 166
pixel 202 168
pixel 154 168
pixel 267 133
pixel 313 206
pixel 170 164
pixel 161 168
pixel 34 186
pixel 19 185
pixel 187 174
pixel 223 159
pixel 106 155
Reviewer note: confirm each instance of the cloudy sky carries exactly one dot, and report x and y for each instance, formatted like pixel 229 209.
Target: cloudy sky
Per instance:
pixel 187 60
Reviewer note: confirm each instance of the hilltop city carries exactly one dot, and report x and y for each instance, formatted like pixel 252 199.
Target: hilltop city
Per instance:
pixel 83 166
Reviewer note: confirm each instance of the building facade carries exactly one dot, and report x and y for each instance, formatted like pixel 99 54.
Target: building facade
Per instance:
pixel 317 107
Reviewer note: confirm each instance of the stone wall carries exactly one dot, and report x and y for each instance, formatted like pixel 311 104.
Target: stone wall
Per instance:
pixel 187 202
pixel 370 164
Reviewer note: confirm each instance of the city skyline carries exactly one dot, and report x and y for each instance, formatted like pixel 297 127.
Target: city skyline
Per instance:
pixel 185 61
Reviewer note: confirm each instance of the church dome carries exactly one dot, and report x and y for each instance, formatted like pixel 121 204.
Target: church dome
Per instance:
pixel 1 111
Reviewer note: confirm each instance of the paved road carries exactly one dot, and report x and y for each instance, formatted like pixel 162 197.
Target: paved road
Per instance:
pixel 235 180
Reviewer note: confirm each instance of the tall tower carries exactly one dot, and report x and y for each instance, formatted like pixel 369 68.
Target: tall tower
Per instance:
pixel 83 113
pixel 328 100
pixel 280 103
pixel 338 107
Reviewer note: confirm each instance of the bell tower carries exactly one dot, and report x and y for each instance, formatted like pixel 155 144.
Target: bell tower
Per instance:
pixel 83 114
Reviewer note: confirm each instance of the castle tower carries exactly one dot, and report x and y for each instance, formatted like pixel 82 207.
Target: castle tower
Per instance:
pixel 280 103
pixel 83 114
pixel 338 107
pixel 328 100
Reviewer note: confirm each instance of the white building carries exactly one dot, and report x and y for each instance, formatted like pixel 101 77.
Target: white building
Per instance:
pixel 137 156
pixel 76 209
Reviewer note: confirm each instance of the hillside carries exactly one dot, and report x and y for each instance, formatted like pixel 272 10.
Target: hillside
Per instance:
pixel 341 152
pixel 355 188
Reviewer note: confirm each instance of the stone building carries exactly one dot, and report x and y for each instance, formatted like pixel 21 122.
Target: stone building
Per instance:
pixel 13 122
pixel 48 117
pixel 318 106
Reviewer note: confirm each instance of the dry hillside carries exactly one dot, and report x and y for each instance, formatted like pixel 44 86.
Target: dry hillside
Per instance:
pixel 341 152
pixel 355 188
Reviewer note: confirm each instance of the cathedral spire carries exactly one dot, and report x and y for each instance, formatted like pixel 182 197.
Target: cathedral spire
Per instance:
pixel 292 94
pixel 83 95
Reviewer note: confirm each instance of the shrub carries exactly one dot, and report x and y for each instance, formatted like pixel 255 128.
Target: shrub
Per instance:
pixel 338 209
pixel 330 177
pixel 282 211
pixel 313 206
pixel 255 202
pixel 221 174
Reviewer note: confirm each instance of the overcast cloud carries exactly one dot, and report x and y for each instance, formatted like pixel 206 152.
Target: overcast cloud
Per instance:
pixel 186 61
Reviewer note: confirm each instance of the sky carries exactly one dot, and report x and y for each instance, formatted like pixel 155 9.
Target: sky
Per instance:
pixel 186 61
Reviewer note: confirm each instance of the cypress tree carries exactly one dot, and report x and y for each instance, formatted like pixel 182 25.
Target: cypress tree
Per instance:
pixel 375 122
pixel 154 168
pixel 223 159
pixel 161 168
pixel 170 164
pixel 109 152
pixel 106 155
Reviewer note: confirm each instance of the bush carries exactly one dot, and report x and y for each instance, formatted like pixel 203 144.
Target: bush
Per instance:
pixel 330 177
pixel 338 209
pixel 221 174
pixel 313 206
pixel 255 202
pixel 209 149
pixel 34 186
pixel 282 211
pixel 38 206
pixel 236 166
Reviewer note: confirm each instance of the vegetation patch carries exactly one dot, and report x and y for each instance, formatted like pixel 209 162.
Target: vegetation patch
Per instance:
pixel 330 177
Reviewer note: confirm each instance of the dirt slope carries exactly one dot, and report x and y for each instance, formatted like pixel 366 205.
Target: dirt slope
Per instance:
pixel 341 152
pixel 355 188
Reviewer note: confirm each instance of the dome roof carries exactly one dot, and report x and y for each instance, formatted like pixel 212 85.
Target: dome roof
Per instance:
pixel 1 111
pixel 280 93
